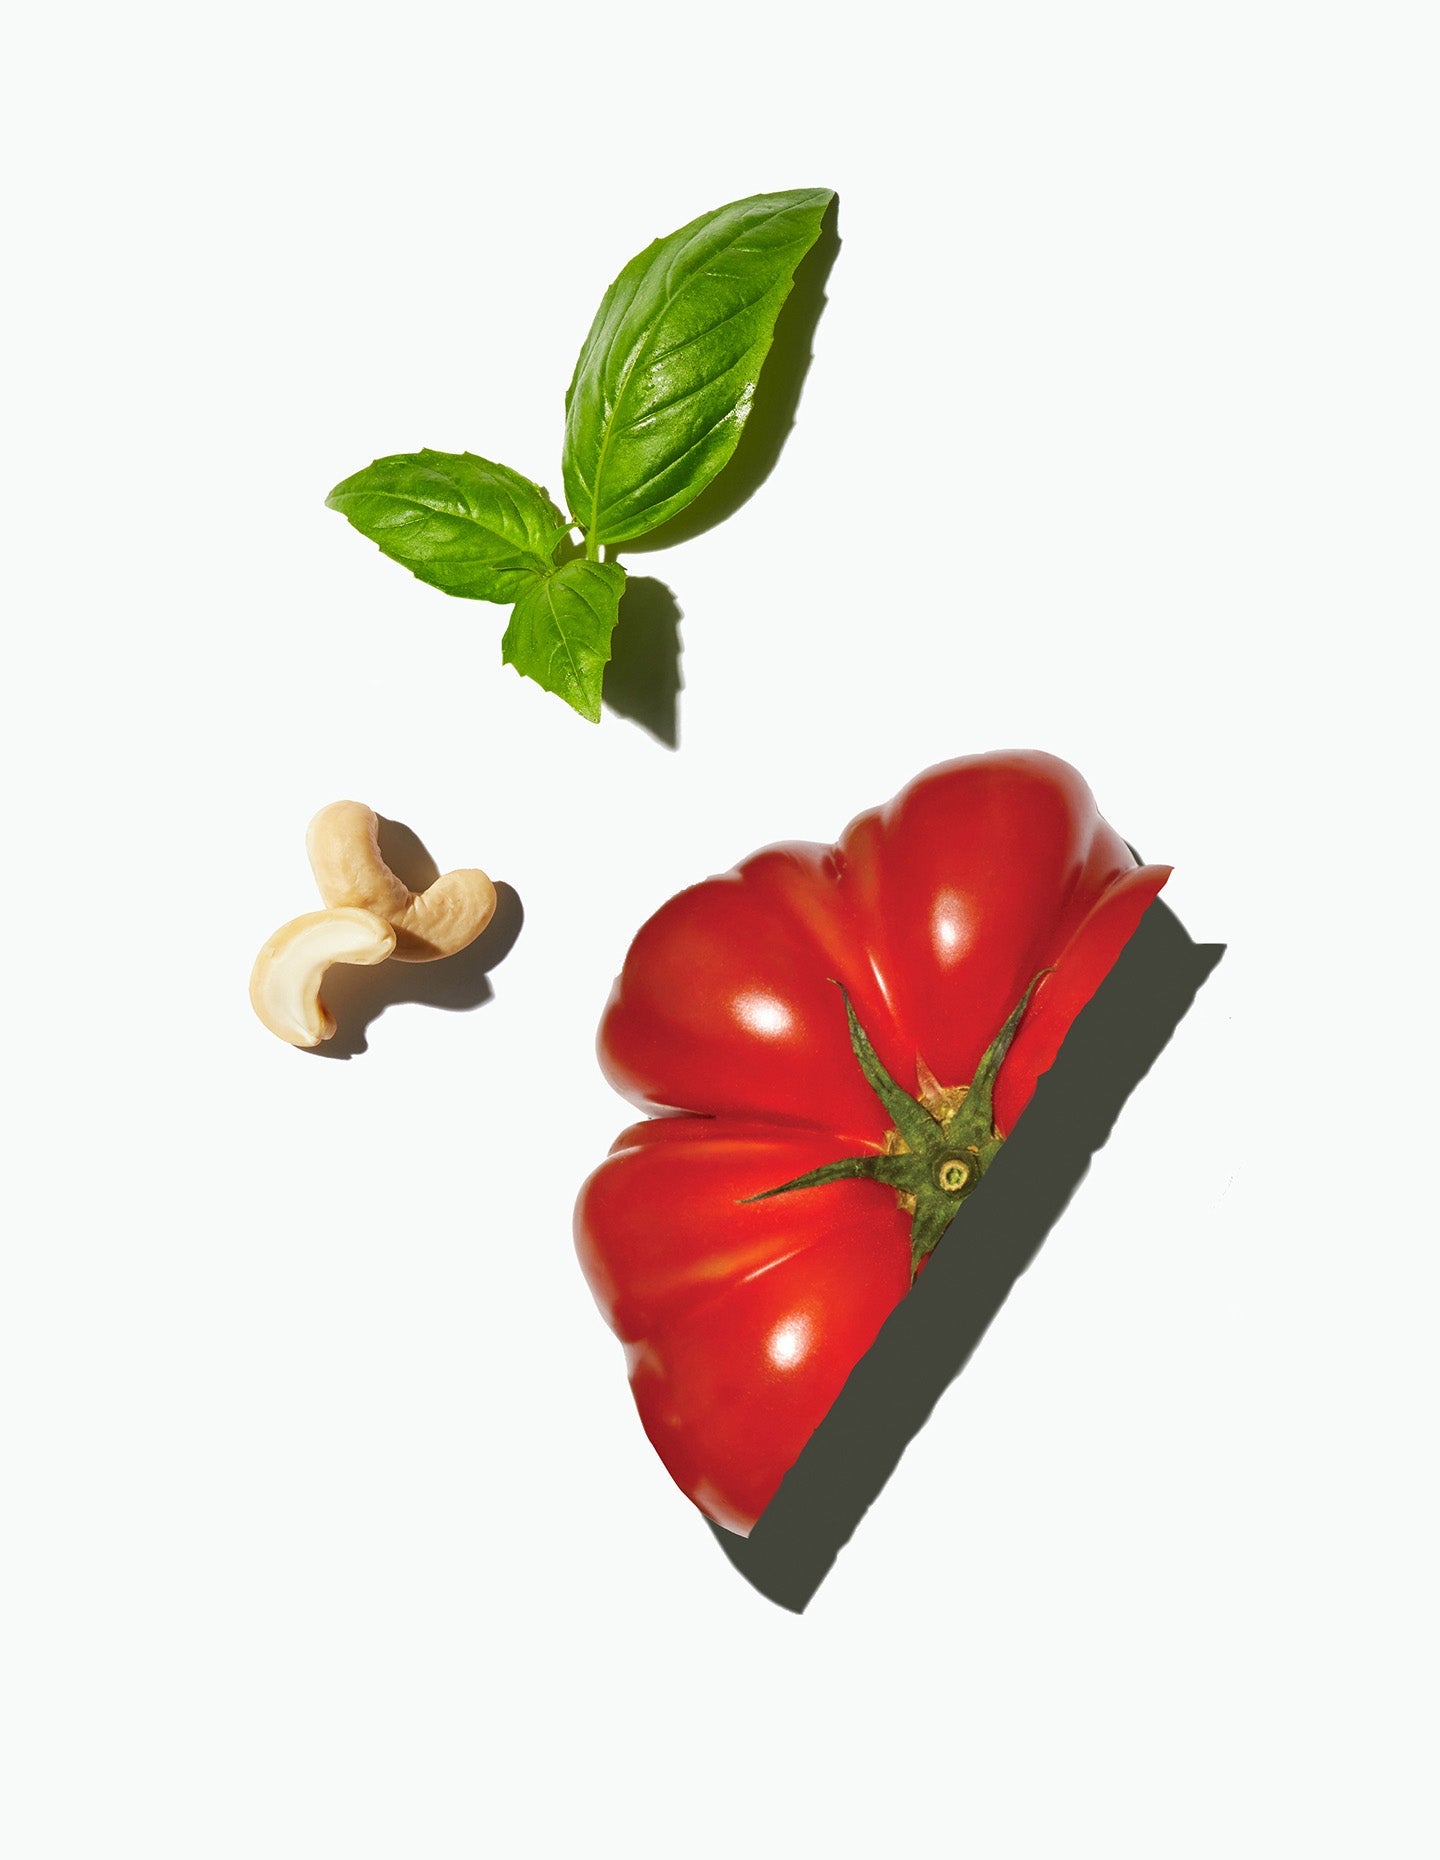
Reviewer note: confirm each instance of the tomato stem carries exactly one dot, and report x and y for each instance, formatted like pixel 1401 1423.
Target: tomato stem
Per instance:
pixel 938 1161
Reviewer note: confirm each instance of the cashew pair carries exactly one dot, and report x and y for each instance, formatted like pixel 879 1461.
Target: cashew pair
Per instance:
pixel 371 914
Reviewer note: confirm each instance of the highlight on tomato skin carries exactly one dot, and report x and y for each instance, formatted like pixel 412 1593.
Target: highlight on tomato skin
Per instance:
pixel 832 1042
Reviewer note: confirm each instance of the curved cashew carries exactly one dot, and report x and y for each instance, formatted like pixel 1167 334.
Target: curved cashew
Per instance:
pixel 343 841
pixel 285 982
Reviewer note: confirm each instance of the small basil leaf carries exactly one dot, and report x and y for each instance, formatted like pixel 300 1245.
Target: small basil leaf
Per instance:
pixel 457 521
pixel 664 381
pixel 559 633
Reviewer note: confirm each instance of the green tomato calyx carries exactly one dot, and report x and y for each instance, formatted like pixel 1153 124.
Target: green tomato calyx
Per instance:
pixel 940 1144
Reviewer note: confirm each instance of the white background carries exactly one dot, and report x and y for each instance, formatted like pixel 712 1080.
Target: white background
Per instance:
pixel 330 1529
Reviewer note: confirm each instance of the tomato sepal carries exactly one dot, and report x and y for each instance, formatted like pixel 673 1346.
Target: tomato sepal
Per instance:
pixel 935 1159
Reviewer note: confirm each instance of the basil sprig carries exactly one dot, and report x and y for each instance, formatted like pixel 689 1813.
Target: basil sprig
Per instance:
pixel 654 411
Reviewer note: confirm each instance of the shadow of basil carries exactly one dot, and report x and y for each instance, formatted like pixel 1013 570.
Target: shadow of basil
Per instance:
pixel 642 680
pixel 932 1334
pixel 357 997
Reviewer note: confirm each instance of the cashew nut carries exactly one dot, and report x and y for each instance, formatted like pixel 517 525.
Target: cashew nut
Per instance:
pixel 343 841
pixel 285 982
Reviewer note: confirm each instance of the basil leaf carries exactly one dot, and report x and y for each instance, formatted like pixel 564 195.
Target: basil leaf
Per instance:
pixel 559 633
pixel 664 381
pixel 457 521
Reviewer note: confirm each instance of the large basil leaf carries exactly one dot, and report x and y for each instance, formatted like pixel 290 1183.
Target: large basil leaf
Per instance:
pixel 457 521
pixel 559 633
pixel 665 378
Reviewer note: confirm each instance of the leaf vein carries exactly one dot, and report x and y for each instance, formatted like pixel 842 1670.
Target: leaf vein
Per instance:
pixel 730 413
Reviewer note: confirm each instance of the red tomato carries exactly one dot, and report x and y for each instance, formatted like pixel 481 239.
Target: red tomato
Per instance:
pixel 742 1317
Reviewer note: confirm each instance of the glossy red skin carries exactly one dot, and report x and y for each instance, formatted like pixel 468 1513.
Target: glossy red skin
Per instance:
pixel 742 1322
